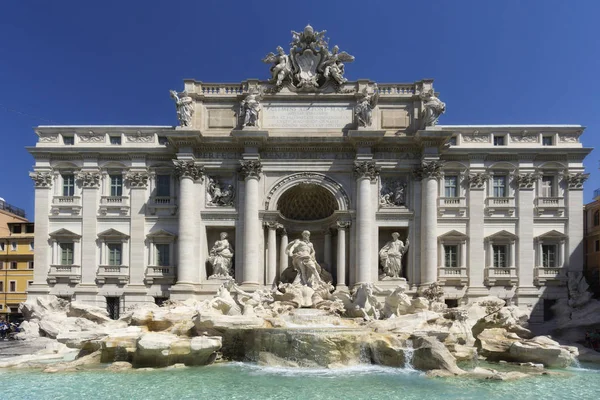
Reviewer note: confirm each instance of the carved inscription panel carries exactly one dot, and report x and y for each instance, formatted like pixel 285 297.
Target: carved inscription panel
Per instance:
pixel 306 117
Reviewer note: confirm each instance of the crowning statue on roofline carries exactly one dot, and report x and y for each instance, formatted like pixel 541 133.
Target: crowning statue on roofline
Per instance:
pixel 310 66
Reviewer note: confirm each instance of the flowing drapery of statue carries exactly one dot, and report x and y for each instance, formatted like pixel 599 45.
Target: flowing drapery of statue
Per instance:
pixel 391 255
pixel 220 257
pixel 364 108
pixel 219 195
pixel 185 107
pixel 302 252
pixel 250 109
pixel 432 109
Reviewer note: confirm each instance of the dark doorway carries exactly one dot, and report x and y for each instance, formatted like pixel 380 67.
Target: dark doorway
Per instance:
pixel 112 306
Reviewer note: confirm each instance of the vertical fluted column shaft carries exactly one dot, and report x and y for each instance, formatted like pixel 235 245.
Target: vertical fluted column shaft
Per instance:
pixel 327 253
pixel 251 171
pixel 429 172
pixel 283 257
pixel 365 171
pixel 341 254
pixel 272 252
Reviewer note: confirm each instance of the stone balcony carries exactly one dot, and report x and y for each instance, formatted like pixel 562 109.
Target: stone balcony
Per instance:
pixel 115 273
pixel 160 274
pixel 500 206
pixel 114 205
pixel 549 276
pixel 452 206
pixel 453 276
pixel 66 205
pixel 506 276
pixel 550 206
pixel 70 273
pixel 162 205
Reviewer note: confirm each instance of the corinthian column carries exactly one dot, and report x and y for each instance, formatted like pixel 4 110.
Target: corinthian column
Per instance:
pixel 341 255
pixel 251 171
pixel 429 172
pixel 365 172
pixel 283 257
pixel 187 172
pixel 271 252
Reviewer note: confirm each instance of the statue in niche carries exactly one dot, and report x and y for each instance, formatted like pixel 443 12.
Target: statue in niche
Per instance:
pixel 393 194
pixel 185 107
pixel 250 109
pixel 304 262
pixel 282 68
pixel 432 109
pixel 391 255
pixel 220 257
pixel 217 196
pixel 364 108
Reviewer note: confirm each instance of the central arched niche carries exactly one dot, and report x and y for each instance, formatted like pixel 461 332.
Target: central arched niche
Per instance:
pixel 307 202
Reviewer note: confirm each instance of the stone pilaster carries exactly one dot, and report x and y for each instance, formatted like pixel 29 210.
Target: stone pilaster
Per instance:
pixel 251 171
pixel 41 253
pixel 138 184
pixel 476 256
pixel 428 173
pixel 574 203
pixel 90 182
pixel 525 183
pixel 365 172
pixel 187 172
pixel 327 248
pixel 341 255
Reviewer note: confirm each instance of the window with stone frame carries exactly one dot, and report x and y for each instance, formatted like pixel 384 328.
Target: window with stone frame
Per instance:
pixel 2 246
pixel 549 256
pixel 499 186
pixel 451 186
pixel 66 253
pixel 163 254
pixel 12 286
pixel 548 186
pixel 13 265
pixel 499 140
pixel 68 185
pixel 1 286
pixel 500 256
pixel 450 256
pixel 548 140
pixel 163 185
pixel 116 185
pixel 115 253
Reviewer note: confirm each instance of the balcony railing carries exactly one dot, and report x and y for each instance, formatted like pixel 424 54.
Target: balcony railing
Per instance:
pixel 453 275
pixel 454 206
pixel 163 200
pixel 553 204
pixel 504 205
pixel 111 204
pixel 12 209
pixel 68 200
pixel 549 275
pixel 160 273
pixel 501 276
pixel 114 200
pixel 66 205
pixel 120 273
pixel 70 272
pixel 162 203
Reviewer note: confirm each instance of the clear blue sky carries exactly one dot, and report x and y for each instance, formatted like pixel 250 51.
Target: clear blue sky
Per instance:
pixel 113 62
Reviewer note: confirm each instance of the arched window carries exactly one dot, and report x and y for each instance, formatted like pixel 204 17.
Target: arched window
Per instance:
pixel 597 218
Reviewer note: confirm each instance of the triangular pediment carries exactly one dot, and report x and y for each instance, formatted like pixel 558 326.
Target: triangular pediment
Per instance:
pixel 64 233
pixel 453 234
pixel 502 235
pixel 113 233
pixel 553 234
pixel 161 233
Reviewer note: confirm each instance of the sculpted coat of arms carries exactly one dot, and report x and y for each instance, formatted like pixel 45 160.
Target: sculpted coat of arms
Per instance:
pixel 310 64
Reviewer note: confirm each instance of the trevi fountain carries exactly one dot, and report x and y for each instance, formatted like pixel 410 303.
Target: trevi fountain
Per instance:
pixel 376 319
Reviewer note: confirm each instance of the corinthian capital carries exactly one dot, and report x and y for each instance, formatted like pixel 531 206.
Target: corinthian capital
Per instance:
pixel 477 180
pixel 89 179
pixel 366 169
pixel 575 181
pixel 526 181
pixel 188 169
pixel 137 179
pixel 41 179
pixel 428 169
pixel 250 169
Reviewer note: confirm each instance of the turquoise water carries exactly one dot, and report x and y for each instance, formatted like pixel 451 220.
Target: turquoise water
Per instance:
pixel 246 381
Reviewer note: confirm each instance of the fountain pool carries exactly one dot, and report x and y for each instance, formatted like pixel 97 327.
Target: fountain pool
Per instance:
pixel 248 381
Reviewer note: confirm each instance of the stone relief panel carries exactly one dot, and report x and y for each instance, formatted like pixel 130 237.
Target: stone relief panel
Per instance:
pixel 524 138
pixel 49 138
pixel 393 192
pixel 92 137
pixel 139 137
pixel 395 119
pixel 568 138
pixel 221 118
pixel 476 138
pixel 220 192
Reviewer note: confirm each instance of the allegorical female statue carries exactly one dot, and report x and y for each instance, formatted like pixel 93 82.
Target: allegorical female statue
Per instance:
pixel 185 108
pixel 391 254
pixel 250 109
pixel 303 260
pixel 220 257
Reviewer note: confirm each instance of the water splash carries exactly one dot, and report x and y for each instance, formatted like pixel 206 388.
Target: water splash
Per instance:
pixel 409 353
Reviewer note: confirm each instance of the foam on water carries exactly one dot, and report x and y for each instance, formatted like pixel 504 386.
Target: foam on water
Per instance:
pixel 360 369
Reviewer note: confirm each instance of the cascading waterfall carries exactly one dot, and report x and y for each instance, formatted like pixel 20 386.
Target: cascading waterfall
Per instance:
pixel 409 352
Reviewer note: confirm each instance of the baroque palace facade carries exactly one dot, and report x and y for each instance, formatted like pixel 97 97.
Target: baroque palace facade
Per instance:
pixel 129 214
